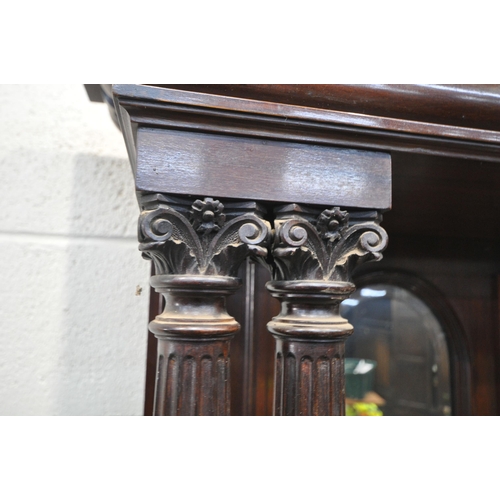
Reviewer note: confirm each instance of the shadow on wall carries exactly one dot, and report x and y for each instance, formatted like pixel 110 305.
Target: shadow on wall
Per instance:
pixel 106 294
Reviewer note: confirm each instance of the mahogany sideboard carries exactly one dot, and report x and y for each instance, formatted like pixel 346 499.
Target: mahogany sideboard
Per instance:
pixel 288 189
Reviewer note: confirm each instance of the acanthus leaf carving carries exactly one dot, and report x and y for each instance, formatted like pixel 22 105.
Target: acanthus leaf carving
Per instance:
pixel 327 245
pixel 201 237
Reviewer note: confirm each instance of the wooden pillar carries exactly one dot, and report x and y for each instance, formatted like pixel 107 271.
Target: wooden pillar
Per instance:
pixel 197 246
pixel 194 333
pixel 183 143
pixel 314 254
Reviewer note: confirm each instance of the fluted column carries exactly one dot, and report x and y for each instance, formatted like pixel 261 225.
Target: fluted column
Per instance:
pixel 314 254
pixel 197 246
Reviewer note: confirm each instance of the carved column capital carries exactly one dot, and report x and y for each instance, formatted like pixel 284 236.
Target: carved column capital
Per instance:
pixel 201 236
pixel 325 245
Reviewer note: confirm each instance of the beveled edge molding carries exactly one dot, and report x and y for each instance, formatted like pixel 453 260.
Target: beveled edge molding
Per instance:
pixel 420 103
pixel 310 310
pixel 195 307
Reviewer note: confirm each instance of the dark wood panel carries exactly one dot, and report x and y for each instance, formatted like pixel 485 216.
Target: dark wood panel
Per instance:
pixel 496 295
pixel 238 307
pixel 252 349
pixel 445 197
pixel 223 166
pixel 156 305
pixel 465 105
pixel 475 313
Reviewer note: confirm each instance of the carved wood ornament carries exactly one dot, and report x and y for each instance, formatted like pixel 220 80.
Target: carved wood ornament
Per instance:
pixel 181 142
pixel 197 247
pixel 314 254
pixel 277 144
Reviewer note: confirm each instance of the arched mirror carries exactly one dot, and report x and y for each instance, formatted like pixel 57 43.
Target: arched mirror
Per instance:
pixel 397 361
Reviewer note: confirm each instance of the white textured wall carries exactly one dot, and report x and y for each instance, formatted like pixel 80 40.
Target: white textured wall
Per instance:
pixel 72 329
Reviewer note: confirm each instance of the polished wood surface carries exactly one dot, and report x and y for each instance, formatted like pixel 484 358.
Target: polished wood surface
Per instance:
pixel 190 145
pixel 445 197
pixel 179 109
pixel 462 273
pixel 194 332
pixel 464 105
pixel 252 350
pixel 310 336
pixel 273 171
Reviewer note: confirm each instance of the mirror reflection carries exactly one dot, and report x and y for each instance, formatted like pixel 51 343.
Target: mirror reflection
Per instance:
pixel 397 360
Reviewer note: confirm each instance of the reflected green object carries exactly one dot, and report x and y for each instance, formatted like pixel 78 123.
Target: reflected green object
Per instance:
pixel 359 377
pixel 363 410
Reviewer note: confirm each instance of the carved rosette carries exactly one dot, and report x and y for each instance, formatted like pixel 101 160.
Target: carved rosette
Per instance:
pixel 314 253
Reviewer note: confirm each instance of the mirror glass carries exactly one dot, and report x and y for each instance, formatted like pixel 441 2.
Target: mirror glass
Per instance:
pixel 397 360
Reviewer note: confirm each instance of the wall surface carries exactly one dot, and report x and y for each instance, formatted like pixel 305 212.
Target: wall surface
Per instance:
pixel 73 318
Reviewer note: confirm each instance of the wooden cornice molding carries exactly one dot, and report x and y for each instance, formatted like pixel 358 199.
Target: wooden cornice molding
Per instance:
pixel 462 105
pixel 155 106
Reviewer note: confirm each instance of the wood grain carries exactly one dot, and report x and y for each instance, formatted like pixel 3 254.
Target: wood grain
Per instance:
pixel 310 336
pixel 466 105
pixel 169 108
pixel 191 163
pixel 445 197
pixel 194 333
pixel 252 350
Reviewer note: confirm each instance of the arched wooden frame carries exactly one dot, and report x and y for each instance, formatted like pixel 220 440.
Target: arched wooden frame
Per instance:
pixel 460 364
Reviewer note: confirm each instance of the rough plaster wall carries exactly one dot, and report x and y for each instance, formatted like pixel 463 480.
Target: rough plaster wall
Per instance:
pixel 72 329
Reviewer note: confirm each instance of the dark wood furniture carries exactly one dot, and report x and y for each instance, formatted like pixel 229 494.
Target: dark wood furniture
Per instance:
pixel 288 183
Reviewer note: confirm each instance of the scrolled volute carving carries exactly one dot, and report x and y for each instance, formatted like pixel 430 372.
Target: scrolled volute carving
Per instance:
pixel 201 237
pixel 327 245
